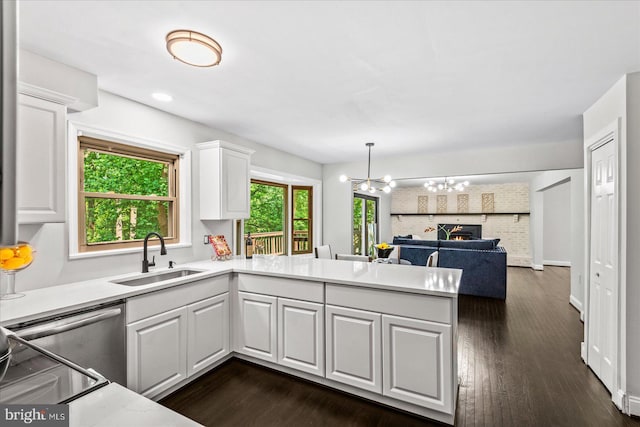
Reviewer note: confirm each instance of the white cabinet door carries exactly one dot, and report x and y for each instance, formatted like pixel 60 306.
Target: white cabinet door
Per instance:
pixel 157 352
pixel 208 332
pixel 257 328
pixel 353 353
pixel 40 168
pixel 301 335
pixel 235 184
pixel 417 362
pixel 224 180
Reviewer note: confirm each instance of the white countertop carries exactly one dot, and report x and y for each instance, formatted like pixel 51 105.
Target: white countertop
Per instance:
pixel 53 300
pixel 114 405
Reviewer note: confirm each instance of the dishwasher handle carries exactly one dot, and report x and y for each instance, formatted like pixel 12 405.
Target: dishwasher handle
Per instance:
pixel 67 324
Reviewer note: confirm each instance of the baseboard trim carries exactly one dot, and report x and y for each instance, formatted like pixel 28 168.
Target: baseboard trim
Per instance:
pixel 583 352
pixel 557 263
pixel 576 304
pixel 537 267
pixel 619 399
pixel 634 406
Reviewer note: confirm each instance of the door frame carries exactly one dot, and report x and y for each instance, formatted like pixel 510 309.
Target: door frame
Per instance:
pixel 608 134
pixel 365 197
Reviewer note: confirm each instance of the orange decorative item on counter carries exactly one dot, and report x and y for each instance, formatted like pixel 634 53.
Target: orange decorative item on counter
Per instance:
pixel 220 247
pixel 16 257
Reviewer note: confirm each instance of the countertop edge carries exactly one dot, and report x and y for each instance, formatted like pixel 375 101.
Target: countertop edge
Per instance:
pixel 102 291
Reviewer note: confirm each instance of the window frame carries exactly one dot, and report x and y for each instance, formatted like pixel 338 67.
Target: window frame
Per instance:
pixel 364 238
pixel 184 220
pixel 285 207
pixel 309 218
pixel 123 150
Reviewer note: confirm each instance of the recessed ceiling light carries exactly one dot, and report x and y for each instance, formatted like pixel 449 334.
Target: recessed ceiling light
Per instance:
pixel 194 48
pixel 164 97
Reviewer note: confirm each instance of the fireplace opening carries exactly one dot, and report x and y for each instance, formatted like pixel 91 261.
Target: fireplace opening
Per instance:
pixel 467 232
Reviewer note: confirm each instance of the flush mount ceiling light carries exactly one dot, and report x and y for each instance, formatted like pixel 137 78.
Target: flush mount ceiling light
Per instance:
pixel 370 184
pixel 194 48
pixel 447 184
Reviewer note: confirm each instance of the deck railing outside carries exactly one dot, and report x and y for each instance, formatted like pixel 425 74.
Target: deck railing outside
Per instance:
pixel 274 243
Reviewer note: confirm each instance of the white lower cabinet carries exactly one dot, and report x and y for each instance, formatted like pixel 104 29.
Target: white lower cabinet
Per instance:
pixel 417 362
pixel 301 335
pixel 258 330
pixel 399 345
pixel 208 332
pixel 353 353
pixel 156 352
pixel 280 330
pixel 175 333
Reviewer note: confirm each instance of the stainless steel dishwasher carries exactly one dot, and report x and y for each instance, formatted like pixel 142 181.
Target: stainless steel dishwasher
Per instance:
pixel 93 337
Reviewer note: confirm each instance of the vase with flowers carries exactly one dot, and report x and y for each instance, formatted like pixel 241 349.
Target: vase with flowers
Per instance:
pixel 384 250
pixel 447 231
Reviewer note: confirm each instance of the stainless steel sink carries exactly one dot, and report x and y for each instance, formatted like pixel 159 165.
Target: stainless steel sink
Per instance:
pixel 147 278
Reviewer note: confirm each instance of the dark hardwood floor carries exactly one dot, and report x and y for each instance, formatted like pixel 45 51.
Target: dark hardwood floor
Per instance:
pixel 519 365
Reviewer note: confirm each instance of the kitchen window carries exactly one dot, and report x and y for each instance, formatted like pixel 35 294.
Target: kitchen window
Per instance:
pixel 125 192
pixel 281 220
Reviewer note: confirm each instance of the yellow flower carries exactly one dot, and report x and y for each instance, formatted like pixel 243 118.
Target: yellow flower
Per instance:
pixel 383 245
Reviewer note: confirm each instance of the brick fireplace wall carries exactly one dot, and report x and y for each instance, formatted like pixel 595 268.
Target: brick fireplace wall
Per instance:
pixel 513 232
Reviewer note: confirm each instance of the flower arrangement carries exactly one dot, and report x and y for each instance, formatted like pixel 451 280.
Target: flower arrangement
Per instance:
pixel 446 231
pixel 384 249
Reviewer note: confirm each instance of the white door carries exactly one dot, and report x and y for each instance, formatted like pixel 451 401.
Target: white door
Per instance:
pixel 301 335
pixel 353 347
pixel 417 362
pixel 257 329
pixel 156 352
pixel 603 286
pixel 208 326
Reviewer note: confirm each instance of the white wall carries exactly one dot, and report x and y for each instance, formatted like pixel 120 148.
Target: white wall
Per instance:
pixel 545 181
pixel 557 225
pixel 117 114
pixel 509 197
pixel 633 242
pixel 79 87
pixel 622 103
pixel 337 195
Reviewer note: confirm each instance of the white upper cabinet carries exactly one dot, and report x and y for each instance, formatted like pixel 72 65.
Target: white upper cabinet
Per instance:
pixel 224 180
pixel 40 175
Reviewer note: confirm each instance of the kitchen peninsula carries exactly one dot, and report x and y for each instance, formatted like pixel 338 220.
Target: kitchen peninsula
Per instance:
pixel 387 333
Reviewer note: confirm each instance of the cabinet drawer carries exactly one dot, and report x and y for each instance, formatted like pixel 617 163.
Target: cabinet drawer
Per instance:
pixel 423 307
pixel 288 288
pixel 167 299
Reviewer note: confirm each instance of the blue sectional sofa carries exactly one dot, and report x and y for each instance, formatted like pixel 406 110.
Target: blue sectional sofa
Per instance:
pixel 483 262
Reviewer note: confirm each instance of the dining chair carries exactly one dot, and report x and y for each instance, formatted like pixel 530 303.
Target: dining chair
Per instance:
pixel 349 257
pixel 432 261
pixel 323 251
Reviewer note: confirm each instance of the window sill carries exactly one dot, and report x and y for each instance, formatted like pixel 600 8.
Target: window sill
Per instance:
pixel 111 252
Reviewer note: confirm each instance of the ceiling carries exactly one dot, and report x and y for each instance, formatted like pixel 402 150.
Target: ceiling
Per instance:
pixel 319 79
